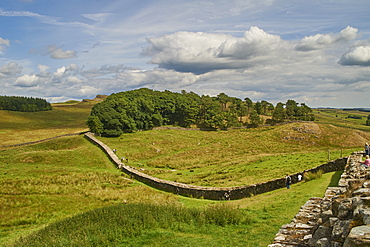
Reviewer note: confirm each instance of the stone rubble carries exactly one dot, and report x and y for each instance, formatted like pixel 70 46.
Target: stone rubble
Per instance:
pixel 340 219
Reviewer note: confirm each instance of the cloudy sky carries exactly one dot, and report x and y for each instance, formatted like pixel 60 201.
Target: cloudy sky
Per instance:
pixel 316 51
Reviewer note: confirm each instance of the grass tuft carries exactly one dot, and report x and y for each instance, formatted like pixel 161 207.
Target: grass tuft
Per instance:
pixel 308 176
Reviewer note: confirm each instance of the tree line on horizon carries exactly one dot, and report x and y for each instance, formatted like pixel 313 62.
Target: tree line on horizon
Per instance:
pixel 143 109
pixel 24 104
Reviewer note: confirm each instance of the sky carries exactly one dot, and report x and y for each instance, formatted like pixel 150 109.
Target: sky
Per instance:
pixel 315 52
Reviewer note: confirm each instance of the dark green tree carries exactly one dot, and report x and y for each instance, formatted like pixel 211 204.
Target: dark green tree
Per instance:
pixel 24 104
pixel 95 125
pixel 258 107
pixel 249 105
pixel 279 113
pixel 291 109
pixel 255 119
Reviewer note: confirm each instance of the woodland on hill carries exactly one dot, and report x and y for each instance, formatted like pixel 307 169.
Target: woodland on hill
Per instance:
pixel 143 109
pixel 24 104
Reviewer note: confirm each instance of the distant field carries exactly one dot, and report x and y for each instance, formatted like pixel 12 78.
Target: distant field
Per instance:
pixel 340 118
pixel 47 182
pixel 19 127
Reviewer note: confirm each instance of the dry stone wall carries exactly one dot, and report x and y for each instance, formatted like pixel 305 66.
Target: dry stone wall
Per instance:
pixel 212 193
pixel 340 218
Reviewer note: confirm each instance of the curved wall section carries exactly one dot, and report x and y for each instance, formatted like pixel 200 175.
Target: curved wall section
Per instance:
pixel 212 193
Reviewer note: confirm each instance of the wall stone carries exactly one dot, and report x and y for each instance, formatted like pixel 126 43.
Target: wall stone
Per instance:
pixel 340 218
pixel 212 193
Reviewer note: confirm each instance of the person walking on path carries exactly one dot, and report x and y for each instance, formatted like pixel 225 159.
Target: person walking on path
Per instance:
pixel 288 181
pixel 367 149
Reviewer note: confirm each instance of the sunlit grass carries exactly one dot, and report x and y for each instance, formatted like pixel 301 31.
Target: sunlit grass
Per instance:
pixel 47 182
pixel 234 157
pixel 20 127
pixel 187 222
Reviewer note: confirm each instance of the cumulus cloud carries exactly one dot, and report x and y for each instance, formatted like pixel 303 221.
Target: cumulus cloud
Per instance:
pixel 10 69
pixel 200 53
pixel 43 68
pixel 27 81
pixel 74 79
pixel 66 70
pixel 63 75
pixel 358 55
pixel 203 52
pixel 57 52
pixel 187 51
pixel 320 41
pixel 255 42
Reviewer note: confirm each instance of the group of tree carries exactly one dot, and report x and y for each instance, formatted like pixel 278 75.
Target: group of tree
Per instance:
pixel 24 104
pixel 143 109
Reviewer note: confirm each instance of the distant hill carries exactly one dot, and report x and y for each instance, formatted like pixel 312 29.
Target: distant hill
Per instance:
pixel 98 98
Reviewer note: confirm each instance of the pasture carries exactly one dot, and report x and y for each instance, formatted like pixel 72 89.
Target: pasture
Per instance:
pixel 63 180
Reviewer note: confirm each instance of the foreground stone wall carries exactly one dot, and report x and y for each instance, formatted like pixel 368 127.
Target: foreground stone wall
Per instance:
pixel 212 193
pixel 340 218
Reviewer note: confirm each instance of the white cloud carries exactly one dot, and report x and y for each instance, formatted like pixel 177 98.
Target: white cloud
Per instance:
pixel 27 81
pixel 3 44
pixel 103 70
pixel 58 53
pixel 358 55
pixel 204 52
pixel 74 79
pixel 187 51
pixel 43 68
pixel 255 42
pixel 10 69
pixel 65 71
pixel 43 18
pixel 99 17
pixel 320 41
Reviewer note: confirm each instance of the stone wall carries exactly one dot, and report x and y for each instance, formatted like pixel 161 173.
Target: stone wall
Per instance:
pixel 212 193
pixel 340 218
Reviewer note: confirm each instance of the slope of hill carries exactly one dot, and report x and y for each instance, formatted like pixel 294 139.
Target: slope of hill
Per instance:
pixel 50 181
pixel 235 157
pixel 20 127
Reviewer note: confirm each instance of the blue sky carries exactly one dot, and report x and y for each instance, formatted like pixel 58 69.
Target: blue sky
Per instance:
pixel 317 52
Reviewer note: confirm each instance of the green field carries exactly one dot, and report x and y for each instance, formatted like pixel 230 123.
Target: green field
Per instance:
pixel 45 184
pixel 235 157
pixel 19 127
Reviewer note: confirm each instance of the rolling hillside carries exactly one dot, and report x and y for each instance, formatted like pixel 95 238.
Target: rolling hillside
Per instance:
pixel 50 181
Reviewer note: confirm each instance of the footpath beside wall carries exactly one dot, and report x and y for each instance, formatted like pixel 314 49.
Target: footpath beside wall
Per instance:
pixel 340 218
pixel 212 193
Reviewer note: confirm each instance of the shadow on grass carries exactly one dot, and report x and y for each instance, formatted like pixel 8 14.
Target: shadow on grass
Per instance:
pixel 335 179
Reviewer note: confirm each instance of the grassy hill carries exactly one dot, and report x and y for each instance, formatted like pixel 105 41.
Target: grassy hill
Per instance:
pixel 47 183
pixel 235 157
pixel 19 127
